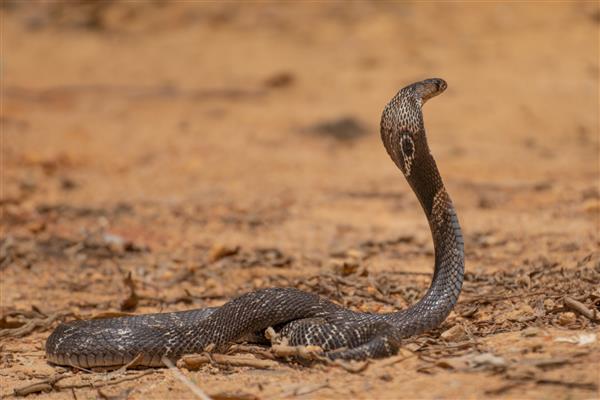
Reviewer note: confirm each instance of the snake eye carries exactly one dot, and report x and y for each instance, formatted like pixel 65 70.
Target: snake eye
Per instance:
pixel 441 85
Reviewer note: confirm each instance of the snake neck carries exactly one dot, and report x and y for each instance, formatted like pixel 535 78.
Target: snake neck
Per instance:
pixel 403 135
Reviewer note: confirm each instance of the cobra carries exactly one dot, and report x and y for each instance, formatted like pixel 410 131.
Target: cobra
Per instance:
pixel 301 317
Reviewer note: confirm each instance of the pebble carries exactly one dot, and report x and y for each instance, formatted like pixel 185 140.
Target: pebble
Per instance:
pixel 344 267
pixel 219 251
pixel 549 304
pixel 567 318
pixel 454 334
pixel 530 332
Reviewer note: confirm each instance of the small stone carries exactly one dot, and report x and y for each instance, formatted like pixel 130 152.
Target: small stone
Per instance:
pixel 412 346
pixel 219 251
pixel 549 304
pixel 469 312
pixel 581 339
pixel 257 282
pixel 370 307
pixel 454 334
pixel 280 80
pixel 211 283
pixel 115 243
pixel 36 226
pixel 386 377
pixel 567 318
pixel 356 254
pixel 345 267
pixel 530 332
pixel 488 359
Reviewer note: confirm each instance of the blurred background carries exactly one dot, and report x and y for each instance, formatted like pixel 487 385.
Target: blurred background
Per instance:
pixel 206 133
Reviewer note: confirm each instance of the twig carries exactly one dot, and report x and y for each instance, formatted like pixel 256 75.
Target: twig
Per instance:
pixel 303 389
pixel 101 383
pixel 353 368
pixel 195 361
pixel 257 350
pixel 183 379
pixel 395 360
pixel 130 364
pixel 30 326
pixel 237 395
pixel 51 383
pixel 131 302
pixel 45 385
pixel 315 353
pixel 304 352
pixel 578 385
pixel 575 305
pixel 503 388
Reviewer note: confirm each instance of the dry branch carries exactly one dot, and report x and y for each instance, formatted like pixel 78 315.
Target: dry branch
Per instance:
pixel 30 326
pixel 51 383
pixel 195 361
pixel 579 307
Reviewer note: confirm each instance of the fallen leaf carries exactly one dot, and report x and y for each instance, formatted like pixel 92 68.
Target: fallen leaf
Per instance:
pixel 473 361
pixel 581 340
pixel 531 331
pixel 220 251
pixel 454 334
pixel 523 313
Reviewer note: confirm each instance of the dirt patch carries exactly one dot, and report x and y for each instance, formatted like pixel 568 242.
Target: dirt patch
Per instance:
pixel 162 157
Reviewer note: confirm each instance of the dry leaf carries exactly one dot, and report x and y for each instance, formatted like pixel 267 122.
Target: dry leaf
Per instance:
pixel 581 340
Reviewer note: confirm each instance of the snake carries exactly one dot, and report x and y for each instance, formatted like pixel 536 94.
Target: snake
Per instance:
pixel 301 318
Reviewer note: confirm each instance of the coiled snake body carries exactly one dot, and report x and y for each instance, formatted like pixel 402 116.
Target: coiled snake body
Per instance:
pixel 303 318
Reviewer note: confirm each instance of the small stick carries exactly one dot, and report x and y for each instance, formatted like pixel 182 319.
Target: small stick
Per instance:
pixel 394 360
pixel 130 364
pixel 349 366
pixel 102 383
pixel 256 350
pixel 194 361
pixel 315 353
pixel 191 385
pixel 305 352
pixel 42 386
pixel 303 389
pixel 30 326
pixel 581 308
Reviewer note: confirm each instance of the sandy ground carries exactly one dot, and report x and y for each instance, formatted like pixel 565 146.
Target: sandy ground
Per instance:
pixel 210 149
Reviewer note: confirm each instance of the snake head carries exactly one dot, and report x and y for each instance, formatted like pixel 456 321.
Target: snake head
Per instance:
pixel 424 90
pixel 402 128
pixel 403 112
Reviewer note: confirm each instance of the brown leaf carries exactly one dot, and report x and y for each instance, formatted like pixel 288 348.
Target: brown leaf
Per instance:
pixel 454 334
pixel 131 302
pixel 219 251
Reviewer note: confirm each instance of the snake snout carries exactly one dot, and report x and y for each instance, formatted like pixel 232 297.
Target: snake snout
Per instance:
pixel 430 88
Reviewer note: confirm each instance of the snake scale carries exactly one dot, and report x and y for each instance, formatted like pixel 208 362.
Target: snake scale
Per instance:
pixel 301 317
